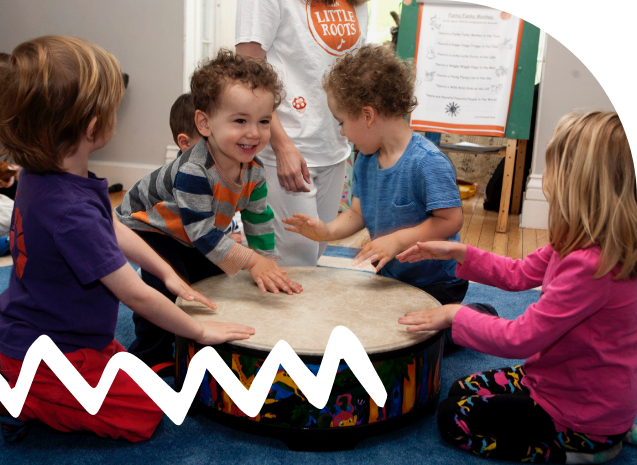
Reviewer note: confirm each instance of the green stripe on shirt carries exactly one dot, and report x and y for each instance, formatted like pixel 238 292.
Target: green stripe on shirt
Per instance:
pixel 263 242
pixel 257 218
pixel 259 193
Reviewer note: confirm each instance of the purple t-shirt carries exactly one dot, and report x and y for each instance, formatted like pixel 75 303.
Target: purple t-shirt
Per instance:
pixel 62 243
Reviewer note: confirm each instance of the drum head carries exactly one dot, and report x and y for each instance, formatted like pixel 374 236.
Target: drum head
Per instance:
pixel 367 304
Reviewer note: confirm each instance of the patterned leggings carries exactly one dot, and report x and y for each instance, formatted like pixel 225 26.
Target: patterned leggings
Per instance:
pixel 492 415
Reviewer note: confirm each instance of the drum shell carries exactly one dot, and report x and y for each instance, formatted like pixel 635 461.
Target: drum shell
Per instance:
pixel 411 376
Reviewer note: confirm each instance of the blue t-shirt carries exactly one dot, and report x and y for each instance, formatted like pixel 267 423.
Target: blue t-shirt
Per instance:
pixel 422 180
pixel 62 243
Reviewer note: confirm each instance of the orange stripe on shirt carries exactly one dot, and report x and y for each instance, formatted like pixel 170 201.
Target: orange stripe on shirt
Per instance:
pixel 141 216
pixel 222 220
pixel 223 194
pixel 173 222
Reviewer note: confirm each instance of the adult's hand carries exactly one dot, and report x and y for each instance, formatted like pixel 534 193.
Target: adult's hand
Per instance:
pixel 291 169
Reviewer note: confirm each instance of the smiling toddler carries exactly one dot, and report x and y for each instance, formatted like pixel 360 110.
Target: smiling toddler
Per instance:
pixel 182 209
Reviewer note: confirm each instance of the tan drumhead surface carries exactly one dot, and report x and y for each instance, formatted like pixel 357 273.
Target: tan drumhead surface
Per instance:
pixel 367 304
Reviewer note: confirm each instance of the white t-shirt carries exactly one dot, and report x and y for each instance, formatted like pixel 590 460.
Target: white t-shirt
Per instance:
pixel 6 209
pixel 301 42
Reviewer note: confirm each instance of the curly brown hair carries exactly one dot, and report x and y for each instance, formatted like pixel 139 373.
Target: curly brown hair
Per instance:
pixel 372 76
pixel 50 90
pixel 214 76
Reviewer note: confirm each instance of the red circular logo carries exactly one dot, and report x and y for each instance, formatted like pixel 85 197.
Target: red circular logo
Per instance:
pixel 334 28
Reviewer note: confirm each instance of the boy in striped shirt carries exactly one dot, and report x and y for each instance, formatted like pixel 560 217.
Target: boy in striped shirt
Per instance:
pixel 182 209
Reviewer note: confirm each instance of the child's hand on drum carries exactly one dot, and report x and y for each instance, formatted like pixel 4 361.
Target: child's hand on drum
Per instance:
pixel 379 250
pixel 435 250
pixel 178 287
pixel 218 333
pixel 432 319
pixel 269 276
pixel 305 225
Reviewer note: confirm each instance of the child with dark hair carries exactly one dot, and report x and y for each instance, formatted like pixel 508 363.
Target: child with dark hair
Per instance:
pixel 186 135
pixel 58 104
pixel 404 189
pixel 182 209
pixel 182 123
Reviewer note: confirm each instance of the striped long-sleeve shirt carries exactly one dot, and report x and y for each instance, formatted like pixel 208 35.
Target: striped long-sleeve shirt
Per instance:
pixel 193 201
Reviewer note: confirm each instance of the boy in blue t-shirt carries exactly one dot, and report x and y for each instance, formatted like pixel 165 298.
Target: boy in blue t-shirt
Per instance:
pixel 404 189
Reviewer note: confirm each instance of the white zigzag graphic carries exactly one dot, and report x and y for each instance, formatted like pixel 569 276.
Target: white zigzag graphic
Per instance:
pixel 343 344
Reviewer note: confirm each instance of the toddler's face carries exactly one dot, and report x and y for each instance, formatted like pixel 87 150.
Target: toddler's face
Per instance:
pixel 354 128
pixel 240 128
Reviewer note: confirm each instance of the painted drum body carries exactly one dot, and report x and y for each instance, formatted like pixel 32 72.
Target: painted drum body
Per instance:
pixel 408 364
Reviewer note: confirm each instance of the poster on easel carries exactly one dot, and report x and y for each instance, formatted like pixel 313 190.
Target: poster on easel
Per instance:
pixel 466 60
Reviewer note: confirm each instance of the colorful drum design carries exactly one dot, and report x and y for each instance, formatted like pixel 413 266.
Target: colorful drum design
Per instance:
pixel 408 364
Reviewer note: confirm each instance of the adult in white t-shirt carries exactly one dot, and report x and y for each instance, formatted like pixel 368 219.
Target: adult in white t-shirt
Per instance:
pixel 305 159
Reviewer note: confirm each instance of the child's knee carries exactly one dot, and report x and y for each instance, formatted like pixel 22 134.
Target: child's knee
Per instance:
pixel 449 420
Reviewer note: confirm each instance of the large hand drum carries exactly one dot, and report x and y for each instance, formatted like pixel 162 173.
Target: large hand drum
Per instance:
pixel 408 364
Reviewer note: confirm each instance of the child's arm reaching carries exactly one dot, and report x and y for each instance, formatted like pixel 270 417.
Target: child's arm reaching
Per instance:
pixel 444 223
pixel 569 298
pixel 198 205
pixel 258 223
pixel 155 307
pixel 432 319
pixel 347 223
pixel 485 267
pixel 434 250
pixel 137 251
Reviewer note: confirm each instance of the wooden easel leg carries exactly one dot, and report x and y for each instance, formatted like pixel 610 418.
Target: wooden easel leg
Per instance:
pixel 518 178
pixel 507 184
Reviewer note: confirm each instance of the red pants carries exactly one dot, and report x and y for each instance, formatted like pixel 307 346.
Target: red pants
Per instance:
pixel 127 411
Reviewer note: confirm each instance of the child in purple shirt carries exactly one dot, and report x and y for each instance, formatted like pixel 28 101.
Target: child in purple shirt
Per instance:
pixel 58 103
pixel 575 398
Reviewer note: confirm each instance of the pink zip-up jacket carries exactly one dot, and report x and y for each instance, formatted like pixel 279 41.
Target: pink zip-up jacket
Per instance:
pixel 579 339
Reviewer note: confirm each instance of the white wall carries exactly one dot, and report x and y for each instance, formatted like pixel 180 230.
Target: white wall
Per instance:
pixel 146 36
pixel 566 85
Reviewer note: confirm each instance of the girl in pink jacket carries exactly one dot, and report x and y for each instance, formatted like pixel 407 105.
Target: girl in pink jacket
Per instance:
pixel 575 398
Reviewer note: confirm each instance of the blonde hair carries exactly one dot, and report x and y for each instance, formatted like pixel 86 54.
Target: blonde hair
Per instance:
pixel 50 90
pixel 590 186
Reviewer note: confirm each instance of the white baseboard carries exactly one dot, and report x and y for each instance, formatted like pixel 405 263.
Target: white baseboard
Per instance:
pixel 171 152
pixel 127 174
pixel 535 208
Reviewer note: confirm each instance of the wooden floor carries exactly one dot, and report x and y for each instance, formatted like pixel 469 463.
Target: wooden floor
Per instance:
pixel 478 230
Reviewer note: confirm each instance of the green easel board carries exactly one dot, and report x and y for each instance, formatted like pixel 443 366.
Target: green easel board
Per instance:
pixel 519 120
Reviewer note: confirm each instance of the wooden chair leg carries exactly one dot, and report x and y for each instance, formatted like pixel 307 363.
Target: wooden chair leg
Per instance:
pixel 507 185
pixel 518 178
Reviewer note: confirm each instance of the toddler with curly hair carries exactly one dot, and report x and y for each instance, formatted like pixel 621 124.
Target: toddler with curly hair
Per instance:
pixel 404 189
pixel 182 209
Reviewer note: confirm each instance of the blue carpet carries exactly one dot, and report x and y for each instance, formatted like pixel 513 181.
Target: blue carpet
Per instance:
pixel 199 440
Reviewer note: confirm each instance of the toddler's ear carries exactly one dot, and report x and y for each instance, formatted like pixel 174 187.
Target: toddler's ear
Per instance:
pixel 369 115
pixel 183 141
pixel 90 129
pixel 202 123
